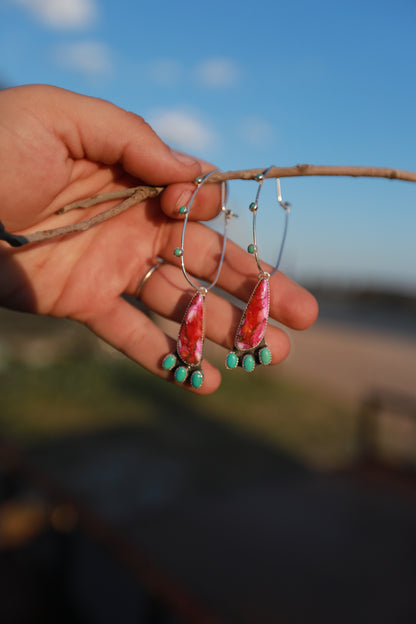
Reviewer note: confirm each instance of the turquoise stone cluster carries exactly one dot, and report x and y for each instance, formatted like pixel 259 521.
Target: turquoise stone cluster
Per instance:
pixel 248 360
pixel 182 372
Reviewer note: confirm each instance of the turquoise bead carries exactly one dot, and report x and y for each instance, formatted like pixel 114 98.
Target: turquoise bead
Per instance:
pixel 265 356
pixel 196 379
pixel 178 252
pixel 183 210
pixel 249 363
pixel 231 361
pixel 252 248
pixel 253 207
pixel 169 362
pixel 180 374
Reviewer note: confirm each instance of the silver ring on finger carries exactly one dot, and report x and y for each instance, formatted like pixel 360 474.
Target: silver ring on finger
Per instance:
pixel 148 276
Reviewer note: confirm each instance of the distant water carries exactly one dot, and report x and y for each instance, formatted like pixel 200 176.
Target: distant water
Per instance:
pixel 398 320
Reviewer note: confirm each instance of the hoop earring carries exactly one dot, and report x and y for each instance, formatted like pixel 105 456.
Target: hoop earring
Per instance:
pixel 250 347
pixel 185 362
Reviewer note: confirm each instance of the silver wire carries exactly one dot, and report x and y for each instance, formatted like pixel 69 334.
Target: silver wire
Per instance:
pixel 227 216
pixel 286 208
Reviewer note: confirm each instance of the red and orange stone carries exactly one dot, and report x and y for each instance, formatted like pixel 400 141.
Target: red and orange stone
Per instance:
pixel 191 333
pixel 254 320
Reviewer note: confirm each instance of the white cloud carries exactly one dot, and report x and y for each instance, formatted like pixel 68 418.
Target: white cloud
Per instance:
pixel 166 72
pixel 91 58
pixel 218 73
pixel 62 13
pixel 212 73
pixel 182 129
pixel 256 132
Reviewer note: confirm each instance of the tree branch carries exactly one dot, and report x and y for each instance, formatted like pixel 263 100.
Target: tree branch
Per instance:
pixel 138 194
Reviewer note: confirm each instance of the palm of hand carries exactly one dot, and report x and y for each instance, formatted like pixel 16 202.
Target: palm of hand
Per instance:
pixel 80 275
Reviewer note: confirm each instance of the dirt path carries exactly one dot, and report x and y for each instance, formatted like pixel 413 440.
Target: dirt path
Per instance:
pixel 350 362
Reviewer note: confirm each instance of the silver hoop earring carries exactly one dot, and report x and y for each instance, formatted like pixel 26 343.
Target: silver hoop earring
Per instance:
pixel 185 362
pixel 250 347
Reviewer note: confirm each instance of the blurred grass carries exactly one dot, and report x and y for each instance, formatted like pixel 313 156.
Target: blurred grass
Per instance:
pixel 312 426
pixel 85 393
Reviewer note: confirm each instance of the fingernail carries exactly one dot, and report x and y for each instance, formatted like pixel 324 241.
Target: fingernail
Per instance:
pixel 185 159
pixel 183 200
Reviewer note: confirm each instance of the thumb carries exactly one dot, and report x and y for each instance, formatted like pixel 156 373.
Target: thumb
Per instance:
pixel 105 133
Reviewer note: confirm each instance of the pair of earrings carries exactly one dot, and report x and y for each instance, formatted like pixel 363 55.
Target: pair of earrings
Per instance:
pixel 250 347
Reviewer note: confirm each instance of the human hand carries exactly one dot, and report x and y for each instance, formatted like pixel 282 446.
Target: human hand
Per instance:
pixel 57 147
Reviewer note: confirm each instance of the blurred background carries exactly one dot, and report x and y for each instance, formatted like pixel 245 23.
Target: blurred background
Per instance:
pixel 290 494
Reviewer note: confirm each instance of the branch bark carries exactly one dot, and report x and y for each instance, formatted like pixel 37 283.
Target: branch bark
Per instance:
pixel 138 194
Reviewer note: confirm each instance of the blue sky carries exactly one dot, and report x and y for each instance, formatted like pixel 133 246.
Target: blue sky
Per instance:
pixel 248 85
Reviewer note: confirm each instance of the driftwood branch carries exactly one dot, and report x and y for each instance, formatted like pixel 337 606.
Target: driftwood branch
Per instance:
pixel 135 195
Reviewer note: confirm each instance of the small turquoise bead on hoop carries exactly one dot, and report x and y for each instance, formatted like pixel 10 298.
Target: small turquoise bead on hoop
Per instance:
pixel 178 252
pixel 252 248
pixel 183 210
pixel 253 207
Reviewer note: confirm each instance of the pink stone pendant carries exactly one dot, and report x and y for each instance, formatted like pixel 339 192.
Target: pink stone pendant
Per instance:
pixel 249 345
pixel 191 333
pixel 185 363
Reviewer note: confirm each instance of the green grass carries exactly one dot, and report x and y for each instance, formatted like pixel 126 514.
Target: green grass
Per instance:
pixel 91 393
pixel 67 396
